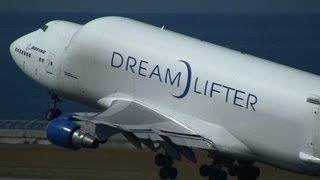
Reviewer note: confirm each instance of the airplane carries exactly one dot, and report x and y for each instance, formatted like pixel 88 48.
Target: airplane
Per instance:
pixel 162 89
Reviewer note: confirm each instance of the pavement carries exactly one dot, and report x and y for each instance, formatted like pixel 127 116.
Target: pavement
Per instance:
pixel 50 162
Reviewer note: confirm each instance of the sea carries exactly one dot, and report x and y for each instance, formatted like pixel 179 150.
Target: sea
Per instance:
pixel 289 39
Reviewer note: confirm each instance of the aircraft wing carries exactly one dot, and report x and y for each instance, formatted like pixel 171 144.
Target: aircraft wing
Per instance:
pixel 143 125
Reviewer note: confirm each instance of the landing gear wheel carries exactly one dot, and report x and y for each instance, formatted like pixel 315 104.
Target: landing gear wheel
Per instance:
pixel 249 173
pixel 233 171
pixel 160 160
pixel 169 160
pixel 49 115
pixel 221 175
pixel 58 113
pixel 164 173
pixel 168 172
pixel 204 170
pixel 255 172
pixel 173 173
pixel 163 160
pixel 53 112
pixel 218 175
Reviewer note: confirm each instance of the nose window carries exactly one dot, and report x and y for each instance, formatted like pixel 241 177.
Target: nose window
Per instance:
pixel 44 28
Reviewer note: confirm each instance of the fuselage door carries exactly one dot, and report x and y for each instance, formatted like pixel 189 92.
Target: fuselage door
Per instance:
pixel 49 69
pixel 50 63
pixel 315 99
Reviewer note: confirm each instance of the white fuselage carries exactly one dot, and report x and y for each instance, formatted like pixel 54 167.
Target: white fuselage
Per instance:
pixel 263 104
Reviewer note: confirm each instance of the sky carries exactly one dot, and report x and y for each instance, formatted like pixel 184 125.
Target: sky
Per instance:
pixel 292 40
pixel 163 6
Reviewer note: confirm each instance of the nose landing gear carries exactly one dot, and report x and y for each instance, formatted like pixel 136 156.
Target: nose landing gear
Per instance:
pixel 53 112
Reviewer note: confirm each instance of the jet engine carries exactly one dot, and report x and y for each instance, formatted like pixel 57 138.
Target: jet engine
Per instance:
pixel 66 133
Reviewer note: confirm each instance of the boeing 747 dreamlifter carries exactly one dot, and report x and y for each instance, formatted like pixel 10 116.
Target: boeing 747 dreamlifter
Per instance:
pixel 162 89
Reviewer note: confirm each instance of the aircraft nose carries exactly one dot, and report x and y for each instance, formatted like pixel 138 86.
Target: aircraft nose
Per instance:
pixel 13 53
pixel 12 47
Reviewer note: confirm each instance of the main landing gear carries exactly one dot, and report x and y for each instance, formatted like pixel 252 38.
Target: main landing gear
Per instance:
pixel 243 170
pixel 247 171
pixel 213 171
pixel 165 162
pixel 53 112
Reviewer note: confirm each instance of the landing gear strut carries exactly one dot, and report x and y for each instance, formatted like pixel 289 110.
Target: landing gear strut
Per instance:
pixel 165 162
pixel 53 112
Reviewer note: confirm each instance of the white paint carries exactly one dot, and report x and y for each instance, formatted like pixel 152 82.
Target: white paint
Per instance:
pixel 275 130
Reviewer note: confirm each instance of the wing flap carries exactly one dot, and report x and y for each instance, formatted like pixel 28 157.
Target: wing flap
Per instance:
pixel 145 123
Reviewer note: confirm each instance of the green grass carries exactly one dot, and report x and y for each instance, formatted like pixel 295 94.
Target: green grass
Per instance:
pixel 104 163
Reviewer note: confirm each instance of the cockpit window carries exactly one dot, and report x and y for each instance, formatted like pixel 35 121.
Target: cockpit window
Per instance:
pixel 44 28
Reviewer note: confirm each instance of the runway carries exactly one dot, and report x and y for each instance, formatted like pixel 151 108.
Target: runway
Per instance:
pixel 24 178
pixel 50 162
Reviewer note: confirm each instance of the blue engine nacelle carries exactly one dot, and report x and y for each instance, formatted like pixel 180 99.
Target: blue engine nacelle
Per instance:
pixel 66 133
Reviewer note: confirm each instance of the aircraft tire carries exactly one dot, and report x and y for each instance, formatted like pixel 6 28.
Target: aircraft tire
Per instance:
pixel 233 171
pixel 57 113
pixel 164 173
pixel 160 160
pixel 173 173
pixel 49 115
pixel 168 160
pixel 52 114
pixel 255 172
pixel 249 173
pixel 204 170
pixel 221 175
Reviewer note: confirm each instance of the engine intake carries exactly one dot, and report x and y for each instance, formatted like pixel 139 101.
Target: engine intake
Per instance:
pixel 66 133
